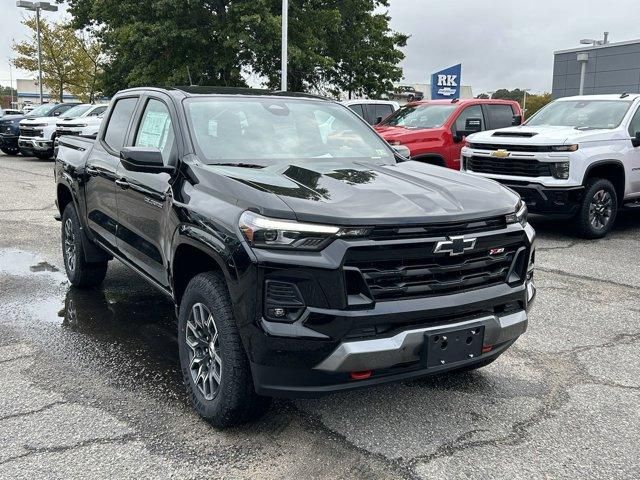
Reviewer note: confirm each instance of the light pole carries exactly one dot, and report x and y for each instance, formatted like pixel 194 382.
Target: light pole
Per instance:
pixel 37 6
pixel 285 43
pixel 524 101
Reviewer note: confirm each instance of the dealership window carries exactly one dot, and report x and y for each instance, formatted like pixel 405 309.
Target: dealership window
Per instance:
pixel 500 116
pixel 635 124
pixel 475 111
pixel 155 129
pixel 118 123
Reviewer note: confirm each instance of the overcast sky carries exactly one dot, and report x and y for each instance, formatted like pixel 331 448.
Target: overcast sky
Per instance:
pixel 500 43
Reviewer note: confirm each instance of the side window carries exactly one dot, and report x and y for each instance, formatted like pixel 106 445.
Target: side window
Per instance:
pixel 474 111
pixel 116 131
pixel 61 109
pixel 357 109
pixel 383 111
pixel 155 129
pixel 500 116
pixel 98 111
pixel 634 126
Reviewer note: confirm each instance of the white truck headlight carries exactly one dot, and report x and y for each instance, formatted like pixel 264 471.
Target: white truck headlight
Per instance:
pixel 265 232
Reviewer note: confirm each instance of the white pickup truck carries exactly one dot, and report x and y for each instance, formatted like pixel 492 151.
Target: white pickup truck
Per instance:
pixel 578 157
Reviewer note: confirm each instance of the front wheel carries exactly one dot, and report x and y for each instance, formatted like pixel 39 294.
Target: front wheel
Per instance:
pixel 80 272
pixel 598 209
pixel 10 150
pixel 215 368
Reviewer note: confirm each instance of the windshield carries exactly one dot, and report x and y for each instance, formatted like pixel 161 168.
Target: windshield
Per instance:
pixel 76 111
pixel 42 110
pixel 420 116
pixel 263 130
pixel 581 114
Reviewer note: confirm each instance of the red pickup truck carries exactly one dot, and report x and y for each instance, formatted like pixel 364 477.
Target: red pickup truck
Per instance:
pixel 434 130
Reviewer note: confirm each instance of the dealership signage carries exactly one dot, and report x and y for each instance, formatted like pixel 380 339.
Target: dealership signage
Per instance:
pixel 446 83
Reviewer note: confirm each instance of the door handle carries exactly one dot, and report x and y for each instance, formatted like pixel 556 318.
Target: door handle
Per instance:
pixel 122 183
pixel 94 172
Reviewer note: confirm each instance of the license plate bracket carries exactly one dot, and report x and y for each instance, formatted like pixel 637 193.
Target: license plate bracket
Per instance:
pixel 452 346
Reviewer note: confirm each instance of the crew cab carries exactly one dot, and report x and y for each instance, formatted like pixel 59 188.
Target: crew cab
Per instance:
pixel 37 132
pixel 373 111
pixel 578 158
pixel 434 130
pixel 302 260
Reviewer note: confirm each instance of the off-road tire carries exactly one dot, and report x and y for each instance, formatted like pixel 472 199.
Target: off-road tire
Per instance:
pixel 583 223
pixel 235 400
pixel 80 273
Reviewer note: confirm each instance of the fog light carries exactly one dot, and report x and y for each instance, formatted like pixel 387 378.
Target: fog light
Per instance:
pixel 560 170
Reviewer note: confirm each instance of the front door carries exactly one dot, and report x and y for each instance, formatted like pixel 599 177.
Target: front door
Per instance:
pixel 455 150
pixel 100 189
pixel 633 157
pixel 144 198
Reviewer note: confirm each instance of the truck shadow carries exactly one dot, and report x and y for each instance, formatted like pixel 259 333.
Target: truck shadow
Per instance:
pixel 627 221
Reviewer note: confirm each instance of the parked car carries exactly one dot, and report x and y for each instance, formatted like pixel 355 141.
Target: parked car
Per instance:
pixel 407 93
pixel 10 126
pixel 9 111
pixel 28 109
pixel 300 264
pixel 37 131
pixel 434 130
pixel 578 157
pixel 83 120
pixel 373 111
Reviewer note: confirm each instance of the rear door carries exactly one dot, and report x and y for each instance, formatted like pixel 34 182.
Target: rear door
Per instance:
pixel 143 198
pixel 499 115
pixel 100 189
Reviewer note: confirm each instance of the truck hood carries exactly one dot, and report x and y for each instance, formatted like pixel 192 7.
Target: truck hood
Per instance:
pixel 79 120
pixel 357 193
pixel 542 135
pixel 404 135
pixel 40 121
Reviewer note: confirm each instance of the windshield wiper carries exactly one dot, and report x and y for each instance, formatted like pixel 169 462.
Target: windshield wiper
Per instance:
pixel 240 165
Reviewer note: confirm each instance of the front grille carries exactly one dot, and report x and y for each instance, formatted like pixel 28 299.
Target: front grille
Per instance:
pixel 511 148
pixel 438 229
pixel 394 272
pixel 508 166
pixel 30 132
pixel 60 132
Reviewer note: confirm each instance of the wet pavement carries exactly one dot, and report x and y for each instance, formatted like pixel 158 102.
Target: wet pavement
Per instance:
pixel 90 384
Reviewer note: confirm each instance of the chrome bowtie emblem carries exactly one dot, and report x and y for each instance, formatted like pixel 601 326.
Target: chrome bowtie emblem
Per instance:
pixel 455 245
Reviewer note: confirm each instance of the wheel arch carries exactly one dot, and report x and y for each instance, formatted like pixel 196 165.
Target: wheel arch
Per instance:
pixel 431 159
pixel 612 170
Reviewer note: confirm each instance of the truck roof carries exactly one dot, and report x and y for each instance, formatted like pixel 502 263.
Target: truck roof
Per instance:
pixel 615 96
pixel 191 91
pixel 465 101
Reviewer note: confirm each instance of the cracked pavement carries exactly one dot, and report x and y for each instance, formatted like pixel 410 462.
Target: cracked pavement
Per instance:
pixel 90 384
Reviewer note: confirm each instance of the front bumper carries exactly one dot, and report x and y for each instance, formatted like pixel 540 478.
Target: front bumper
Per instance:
pixel 306 368
pixel 9 141
pixel 562 201
pixel 35 144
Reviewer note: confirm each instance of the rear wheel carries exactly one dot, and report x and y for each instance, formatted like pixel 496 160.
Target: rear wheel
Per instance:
pixel 80 272
pixel 215 368
pixel 10 150
pixel 598 209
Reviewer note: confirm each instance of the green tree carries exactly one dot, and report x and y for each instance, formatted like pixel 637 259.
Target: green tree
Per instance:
pixel 70 60
pixel 536 102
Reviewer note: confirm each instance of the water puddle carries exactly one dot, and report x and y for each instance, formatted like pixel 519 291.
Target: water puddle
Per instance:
pixel 20 263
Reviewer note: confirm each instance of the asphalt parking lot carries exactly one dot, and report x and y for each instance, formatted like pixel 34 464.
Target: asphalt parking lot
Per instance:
pixel 90 383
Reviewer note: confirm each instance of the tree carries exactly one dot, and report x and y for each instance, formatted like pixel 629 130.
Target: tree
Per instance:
pixel 333 44
pixel 536 102
pixel 70 60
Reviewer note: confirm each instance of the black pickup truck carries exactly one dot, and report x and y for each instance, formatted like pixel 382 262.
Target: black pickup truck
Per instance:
pixel 304 255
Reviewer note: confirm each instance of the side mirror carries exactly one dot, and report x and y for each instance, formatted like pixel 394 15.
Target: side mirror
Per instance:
pixel 402 150
pixel 378 120
pixel 635 141
pixel 143 159
pixel 56 114
pixel 517 120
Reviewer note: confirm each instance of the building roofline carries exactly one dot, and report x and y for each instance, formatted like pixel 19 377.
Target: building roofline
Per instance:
pixel 595 47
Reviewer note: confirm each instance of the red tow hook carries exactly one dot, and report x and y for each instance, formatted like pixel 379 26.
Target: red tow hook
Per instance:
pixel 361 375
pixel 486 348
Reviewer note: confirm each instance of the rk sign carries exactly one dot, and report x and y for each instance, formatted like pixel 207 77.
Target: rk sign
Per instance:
pixel 446 83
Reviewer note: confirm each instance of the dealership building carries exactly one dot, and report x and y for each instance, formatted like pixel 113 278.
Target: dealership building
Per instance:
pixel 600 68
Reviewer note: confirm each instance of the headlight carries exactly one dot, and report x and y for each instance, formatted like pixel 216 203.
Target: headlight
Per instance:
pixel 560 170
pixel 520 215
pixel 265 232
pixel 564 148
